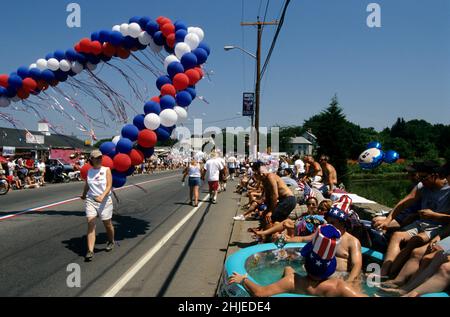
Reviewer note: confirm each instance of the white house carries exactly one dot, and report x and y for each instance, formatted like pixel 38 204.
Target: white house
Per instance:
pixel 305 144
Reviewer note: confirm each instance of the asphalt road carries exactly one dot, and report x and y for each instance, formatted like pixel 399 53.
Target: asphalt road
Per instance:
pixel 37 247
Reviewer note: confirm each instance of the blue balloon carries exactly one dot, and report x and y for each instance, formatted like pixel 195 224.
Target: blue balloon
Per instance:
pixel 119 179
pixel 105 36
pixel 108 148
pixel 159 39
pixel 175 68
pixel 180 25
pixel 130 171
pixel 374 145
pixel 169 49
pixel 202 55
pixel 15 81
pixel 143 22
pixel 184 99
pixel 59 55
pixel 11 92
pixel 93 59
pixel 391 157
pixel 161 81
pixel 105 58
pixel 81 58
pixel 35 73
pixel 205 46
pixel 152 107
pixel 148 152
pixel 135 19
pixel 152 27
pixel 124 146
pixel 192 91
pixel 138 121
pixel 167 102
pixel 49 56
pixel 116 38
pixel 189 60
pixel 3 91
pixel 71 54
pixel 371 158
pixel 95 36
pixel 163 134
pixel 61 76
pixel 23 72
pixel 180 35
pixel 131 132
pixel 129 42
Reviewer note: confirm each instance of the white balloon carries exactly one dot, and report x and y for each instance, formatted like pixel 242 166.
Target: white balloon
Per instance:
pixel 116 139
pixel 170 59
pixel 154 47
pixel 4 102
pixel 134 30
pixel 41 64
pixel 91 66
pixel 152 121
pixel 77 67
pixel 182 113
pixel 168 118
pixel 124 29
pixel 64 65
pixel 53 64
pixel 192 40
pixel 145 38
pixel 181 49
pixel 34 65
pixel 116 28
pixel 199 32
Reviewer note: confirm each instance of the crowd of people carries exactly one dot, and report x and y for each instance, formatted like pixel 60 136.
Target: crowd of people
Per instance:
pixel 302 202
pixel 23 173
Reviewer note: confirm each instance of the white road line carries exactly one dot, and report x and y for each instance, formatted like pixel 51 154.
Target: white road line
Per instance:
pixel 63 202
pixel 132 271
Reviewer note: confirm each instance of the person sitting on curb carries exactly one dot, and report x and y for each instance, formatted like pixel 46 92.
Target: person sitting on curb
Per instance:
pixel 320 264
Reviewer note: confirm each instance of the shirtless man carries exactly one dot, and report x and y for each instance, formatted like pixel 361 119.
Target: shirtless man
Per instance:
pixel 314 174
pixel 279 198
pixel 319 265
pixel 329 174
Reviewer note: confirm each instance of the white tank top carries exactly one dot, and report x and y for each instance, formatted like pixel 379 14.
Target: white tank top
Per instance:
pixel 97 181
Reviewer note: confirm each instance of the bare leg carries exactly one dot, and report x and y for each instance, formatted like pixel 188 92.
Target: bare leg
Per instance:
pixel 393 250
pixel 402 257
pixel 109 230
pixel 437 283
pixel 196 195
pixel 278 227
pixel 91 234
pixel 191 194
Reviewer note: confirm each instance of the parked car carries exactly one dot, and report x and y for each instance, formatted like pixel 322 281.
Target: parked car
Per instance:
pixel 57 171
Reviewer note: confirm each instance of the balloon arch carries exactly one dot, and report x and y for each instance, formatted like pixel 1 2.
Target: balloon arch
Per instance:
pixel 187 53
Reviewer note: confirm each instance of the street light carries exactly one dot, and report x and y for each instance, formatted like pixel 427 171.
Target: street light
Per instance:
pixel 232 47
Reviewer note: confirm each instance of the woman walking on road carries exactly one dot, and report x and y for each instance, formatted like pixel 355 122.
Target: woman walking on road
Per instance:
pixel 99 203
pixel 194 173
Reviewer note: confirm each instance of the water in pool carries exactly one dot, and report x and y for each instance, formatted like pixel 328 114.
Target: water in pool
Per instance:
pixel 267 268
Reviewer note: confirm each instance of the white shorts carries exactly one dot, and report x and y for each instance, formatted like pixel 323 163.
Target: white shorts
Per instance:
pixel 104 210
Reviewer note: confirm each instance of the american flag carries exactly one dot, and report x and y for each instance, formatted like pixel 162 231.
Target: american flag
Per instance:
pixel 307 191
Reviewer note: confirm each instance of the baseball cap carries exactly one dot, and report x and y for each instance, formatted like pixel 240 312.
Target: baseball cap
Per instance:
pixel 96 154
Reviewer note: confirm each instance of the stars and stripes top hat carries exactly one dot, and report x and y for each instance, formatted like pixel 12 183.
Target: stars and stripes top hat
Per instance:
pixel 341 208
pixel 320 253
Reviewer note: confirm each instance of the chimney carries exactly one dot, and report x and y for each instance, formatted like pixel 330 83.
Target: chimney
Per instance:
pixel 43 127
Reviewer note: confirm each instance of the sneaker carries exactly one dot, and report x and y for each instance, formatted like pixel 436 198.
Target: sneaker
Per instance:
pixel 239 218
pixel 89 256
pixel 214 202
pixel 110 246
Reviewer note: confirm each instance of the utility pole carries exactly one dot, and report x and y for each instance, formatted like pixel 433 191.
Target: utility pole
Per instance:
pixel 259 25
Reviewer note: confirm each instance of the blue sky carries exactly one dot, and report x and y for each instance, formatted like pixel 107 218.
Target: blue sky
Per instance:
pixel 401 69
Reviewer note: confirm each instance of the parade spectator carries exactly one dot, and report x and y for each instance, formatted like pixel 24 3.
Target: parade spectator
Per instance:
pixel 330 179
pixel 314 172
pixel 232 166
pixel 41 168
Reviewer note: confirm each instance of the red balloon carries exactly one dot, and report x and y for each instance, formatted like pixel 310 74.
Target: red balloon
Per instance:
pixel 136 157
pixel 4 80
pixel 84 171
pixel 156 99
pixel 200 71
pixel 96 48
pixel 168 89
pixel 181 81
pixel 77 48
pixel 171 40
pixel 107 162
pixel 122 163
pixel 163 20
pixel 194 76
pixel 85 45
pixel 147 139
pixel 109 49
pixel 22 93
pixel 168 29
pixel 29 84
pixel 123 53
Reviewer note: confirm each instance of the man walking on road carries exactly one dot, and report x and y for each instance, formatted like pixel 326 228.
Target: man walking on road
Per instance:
pixel 211 172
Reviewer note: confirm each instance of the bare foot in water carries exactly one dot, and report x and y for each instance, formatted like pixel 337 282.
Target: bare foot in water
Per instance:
pixel 412 294
pixel 393 291
pixel 390 284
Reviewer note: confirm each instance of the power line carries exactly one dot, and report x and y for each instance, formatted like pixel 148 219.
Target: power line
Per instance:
pixel 277 33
